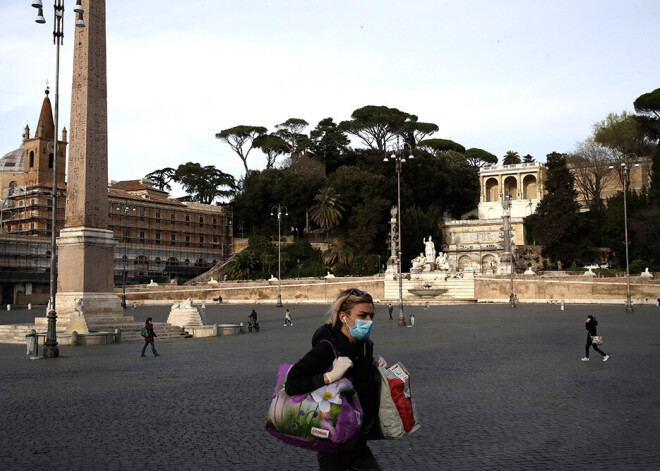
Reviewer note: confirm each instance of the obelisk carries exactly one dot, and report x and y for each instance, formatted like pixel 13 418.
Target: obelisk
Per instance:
pixel 85 245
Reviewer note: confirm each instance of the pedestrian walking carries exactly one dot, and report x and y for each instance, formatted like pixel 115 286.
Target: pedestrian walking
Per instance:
pixel 590 325
pixel 149 335
pixel 287 318
pixel 348 328
pixel 390 309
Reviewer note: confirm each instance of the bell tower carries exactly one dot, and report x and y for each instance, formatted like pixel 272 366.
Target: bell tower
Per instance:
pixel 38 150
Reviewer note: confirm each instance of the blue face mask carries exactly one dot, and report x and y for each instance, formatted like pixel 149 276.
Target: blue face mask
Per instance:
pixel 362 329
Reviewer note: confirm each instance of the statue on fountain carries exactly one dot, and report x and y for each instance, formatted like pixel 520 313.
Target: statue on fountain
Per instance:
pixel 418 263
pixel 429 250
pixel 441 262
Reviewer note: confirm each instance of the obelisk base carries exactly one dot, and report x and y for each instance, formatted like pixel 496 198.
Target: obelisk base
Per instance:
pixel 86 271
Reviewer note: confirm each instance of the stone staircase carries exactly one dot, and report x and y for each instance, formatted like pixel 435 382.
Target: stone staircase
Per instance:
pixel 459 290
pixel 15 333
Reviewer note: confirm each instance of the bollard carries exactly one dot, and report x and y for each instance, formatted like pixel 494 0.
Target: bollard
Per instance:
pixel 9 307
pixel 74 338
pixel 117 336
pixel 562 304
pixel 29 306
pixel 32 344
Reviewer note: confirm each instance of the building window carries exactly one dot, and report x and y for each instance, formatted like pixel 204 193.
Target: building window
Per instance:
pixel 142 215
pixel 201 241
pixel 49 203
pixel 31 158
pixel 172 218
pixel 32 201
pixel 215 240
pixel 157 237
pixel 158 216
pixel 50 160
pixel 127 235
pixel 215 222
pixel 187 220
pixel 187 262
pixel 142 237
pixel 173 239
pixel 12 188
pixel 187 241
pixel 157 260
pixel 201 221
pixel 21 203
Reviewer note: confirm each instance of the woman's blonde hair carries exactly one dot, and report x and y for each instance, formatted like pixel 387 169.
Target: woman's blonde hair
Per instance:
pixel 345 302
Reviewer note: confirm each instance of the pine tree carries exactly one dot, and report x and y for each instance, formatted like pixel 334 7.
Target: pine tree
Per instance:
pixel 557 222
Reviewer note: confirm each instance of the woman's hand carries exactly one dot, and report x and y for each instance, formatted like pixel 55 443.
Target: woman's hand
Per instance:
pixel 339 368
pixel 380 362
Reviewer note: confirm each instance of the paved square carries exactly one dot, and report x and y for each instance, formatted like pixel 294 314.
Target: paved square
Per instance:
pixel 495 388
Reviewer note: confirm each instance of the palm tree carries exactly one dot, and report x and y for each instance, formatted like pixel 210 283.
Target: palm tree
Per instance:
pixel 242 266
pixel 338 252
pixel 327 210
pixel 511 157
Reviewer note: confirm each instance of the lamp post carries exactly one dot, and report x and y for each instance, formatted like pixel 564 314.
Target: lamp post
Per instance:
pixel 506 216
pixel 279 209
pixel 625 175
pixel 125 230
pixel 50 347
pixel 398 158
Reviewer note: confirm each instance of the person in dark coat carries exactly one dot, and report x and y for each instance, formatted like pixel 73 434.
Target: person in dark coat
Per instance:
pixel 149 335
pixel 590 325
pixel 348 328
pixel 390 309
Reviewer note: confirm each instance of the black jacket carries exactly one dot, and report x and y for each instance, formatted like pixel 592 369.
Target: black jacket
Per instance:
pixel 307 374
pixel 591 327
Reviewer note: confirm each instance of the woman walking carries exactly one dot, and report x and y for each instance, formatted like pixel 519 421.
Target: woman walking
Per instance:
pixel 348 329
pixel 590 325
pixel 148 334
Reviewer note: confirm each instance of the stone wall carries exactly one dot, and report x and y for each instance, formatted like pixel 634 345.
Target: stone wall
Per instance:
pixel 572 289
pixel 299 290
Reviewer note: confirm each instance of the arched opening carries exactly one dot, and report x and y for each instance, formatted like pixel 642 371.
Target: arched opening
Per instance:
pixel 489 264
pixel 31 158
pixel 50 160
pixel 511 187
pixel 529 187
pixel 492 190
pixel 12 188
pixel 463 262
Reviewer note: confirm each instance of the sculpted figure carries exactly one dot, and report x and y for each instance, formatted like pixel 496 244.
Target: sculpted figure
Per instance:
pixel 78 307
pixel 418 262
pixel 441 261
pixel 429 249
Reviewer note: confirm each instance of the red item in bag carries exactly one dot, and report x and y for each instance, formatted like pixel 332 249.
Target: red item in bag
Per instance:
pixel 397 413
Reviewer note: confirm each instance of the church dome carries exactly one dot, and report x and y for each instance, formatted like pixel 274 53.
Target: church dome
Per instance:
pixel 13 161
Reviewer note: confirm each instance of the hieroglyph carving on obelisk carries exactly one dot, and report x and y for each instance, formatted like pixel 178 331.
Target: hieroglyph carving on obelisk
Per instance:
pixel 85 245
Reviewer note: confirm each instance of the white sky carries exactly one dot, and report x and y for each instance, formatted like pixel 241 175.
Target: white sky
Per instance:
pixel 531 76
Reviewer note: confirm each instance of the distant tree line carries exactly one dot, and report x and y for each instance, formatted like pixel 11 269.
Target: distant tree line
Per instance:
pixel 342 194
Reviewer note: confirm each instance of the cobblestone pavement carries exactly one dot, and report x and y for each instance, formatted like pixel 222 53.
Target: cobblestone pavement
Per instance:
pixel 496 389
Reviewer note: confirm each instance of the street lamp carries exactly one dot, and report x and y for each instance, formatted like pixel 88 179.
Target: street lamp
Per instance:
pixel 506 217
pixel 398 158
pixel 125 230
pixel 50 347
pixel 625 176
pixel 279 209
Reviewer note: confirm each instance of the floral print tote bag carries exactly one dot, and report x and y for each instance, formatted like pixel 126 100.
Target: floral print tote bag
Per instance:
pixel 327 419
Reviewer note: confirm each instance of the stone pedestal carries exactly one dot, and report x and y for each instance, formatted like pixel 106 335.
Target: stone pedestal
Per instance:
pixel 86 271
pixel 185 314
